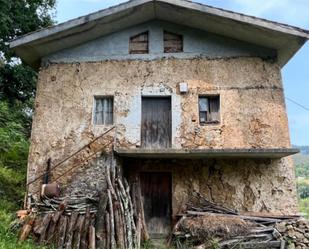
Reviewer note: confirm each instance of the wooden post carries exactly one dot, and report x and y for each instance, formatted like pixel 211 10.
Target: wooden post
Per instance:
pixel 92 243
pixel 100 226
pixel 25 231
pixel 69 235
pixel 43 227
pixel 108 231
pixel 63 223
pixel 112 221
pixel 78 232
pixel 118 226
pixel 84 238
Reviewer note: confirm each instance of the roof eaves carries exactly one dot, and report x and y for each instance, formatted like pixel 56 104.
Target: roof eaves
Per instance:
pixel 73 23
pixel 251 20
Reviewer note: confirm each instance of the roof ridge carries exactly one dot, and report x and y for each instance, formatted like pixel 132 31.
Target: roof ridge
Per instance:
pixel 138 11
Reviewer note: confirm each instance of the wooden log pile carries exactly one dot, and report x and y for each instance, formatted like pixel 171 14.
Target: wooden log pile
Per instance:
pixel 204 224
pixel 106 221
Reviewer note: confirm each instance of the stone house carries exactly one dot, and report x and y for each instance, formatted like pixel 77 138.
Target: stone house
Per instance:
pixel 187 97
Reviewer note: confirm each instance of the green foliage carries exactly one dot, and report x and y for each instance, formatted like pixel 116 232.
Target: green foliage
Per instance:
pixel 14 147
pixel 304 207
pixel 302 173
pixel 17 90
pixel 303 188
pixel 13 158
pixel 17 84
pixel 18 17
pixel 302 169
pixel 8 239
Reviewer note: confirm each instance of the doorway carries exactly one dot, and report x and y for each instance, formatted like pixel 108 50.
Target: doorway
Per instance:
pixel 156 127
pixel 156 190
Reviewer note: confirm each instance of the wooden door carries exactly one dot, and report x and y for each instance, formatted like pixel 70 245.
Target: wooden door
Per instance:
pixel 157 192
pixel 156 122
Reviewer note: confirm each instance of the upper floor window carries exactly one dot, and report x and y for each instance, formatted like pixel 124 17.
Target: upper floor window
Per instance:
pixel 139 44
pixel 103 110
pixel 209 109
pixel 173 43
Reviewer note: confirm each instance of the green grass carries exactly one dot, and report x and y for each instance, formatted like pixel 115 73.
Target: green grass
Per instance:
pixel 8 238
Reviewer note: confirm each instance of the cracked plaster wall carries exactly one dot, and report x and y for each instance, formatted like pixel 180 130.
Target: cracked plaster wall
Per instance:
pixel 252 112
pixel 246 185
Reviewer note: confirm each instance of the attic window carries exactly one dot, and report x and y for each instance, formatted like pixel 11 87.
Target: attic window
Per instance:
pixel 209 109
pixel 103 110
pixel 139 44
pixel 173 43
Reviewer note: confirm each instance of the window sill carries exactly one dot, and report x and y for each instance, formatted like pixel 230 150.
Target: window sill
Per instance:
pixel 210 123
pixel 102 125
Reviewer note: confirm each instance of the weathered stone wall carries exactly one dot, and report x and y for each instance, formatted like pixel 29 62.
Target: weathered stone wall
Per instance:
pixel 88 180
pixel 295 233
pixel 252 102
pixel 252 116
pixel 245 185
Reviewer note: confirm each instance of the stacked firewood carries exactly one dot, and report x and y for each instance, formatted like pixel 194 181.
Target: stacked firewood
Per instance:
pixel 204 223
pixel 109 220
pixel 115 226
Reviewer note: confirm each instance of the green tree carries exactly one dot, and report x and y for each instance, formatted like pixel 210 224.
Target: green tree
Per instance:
pixel 17 90
pixel 18 17
pixel 303 189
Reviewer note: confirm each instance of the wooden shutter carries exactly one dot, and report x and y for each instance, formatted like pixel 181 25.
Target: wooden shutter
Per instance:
pixel 203 109
pixel 173 43
pixel 103 111
pixel 139 44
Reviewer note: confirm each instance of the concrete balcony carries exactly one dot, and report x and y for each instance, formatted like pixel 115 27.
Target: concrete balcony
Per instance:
pixel 170 153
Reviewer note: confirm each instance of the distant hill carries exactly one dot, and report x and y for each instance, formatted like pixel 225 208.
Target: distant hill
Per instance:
pixel 304 150
pixel 301 161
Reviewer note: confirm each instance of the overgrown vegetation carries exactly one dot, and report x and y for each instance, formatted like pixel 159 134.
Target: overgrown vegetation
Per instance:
pixel 302 174
pixel 304 207
pixel 17 90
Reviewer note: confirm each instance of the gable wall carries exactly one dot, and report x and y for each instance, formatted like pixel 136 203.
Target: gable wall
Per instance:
pixel 196 43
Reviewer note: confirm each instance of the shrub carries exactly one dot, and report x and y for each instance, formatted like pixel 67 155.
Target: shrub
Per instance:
pixel 303 188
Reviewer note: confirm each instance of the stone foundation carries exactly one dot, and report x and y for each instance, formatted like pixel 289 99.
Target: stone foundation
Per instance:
pixel 295 233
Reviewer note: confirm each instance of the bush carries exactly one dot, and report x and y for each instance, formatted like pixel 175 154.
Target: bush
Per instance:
pixel 13 164
pixel 8 239
pixel 304 207
pixel 303 188
pixel 14 146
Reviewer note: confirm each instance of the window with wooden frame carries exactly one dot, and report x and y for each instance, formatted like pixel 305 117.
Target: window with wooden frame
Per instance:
pixel 173 43
pixel 103 110
pixel 209 109
pixel 139 44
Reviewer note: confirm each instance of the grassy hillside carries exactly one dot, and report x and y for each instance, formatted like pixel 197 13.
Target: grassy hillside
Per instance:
pixel 302 173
